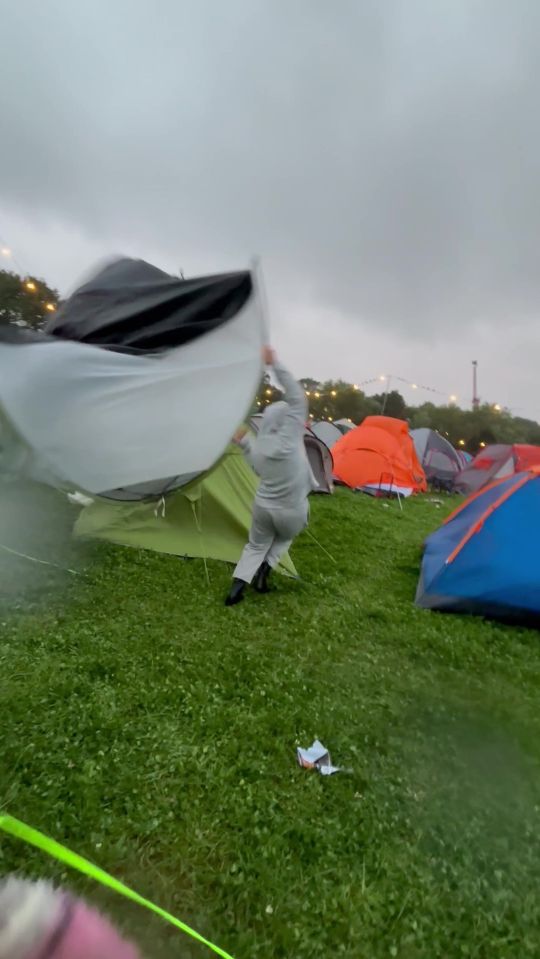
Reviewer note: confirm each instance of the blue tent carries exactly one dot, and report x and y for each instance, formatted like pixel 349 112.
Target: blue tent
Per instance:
pixel 486 558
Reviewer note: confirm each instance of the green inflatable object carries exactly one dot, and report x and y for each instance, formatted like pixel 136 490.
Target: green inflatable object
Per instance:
pixel 208 518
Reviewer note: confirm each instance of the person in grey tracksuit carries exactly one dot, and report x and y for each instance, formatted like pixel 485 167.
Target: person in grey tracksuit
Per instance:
pixel 281 511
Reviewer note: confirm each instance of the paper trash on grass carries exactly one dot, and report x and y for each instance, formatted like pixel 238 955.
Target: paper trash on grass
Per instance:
pixel 316 757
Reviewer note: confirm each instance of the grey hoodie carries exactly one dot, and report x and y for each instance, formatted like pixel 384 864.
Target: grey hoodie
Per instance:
pixel 277 453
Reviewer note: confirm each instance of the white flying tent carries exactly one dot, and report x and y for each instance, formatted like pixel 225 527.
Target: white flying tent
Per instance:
pixel 141 375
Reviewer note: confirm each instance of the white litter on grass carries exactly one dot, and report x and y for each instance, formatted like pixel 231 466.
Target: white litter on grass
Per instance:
pixel 316 757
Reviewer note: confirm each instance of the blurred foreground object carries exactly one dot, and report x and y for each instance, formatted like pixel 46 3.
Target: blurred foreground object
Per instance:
pixel 38 921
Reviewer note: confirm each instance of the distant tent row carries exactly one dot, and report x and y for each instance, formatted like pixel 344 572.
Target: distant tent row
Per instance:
pixel 377 456
pixel 436 456
pixel 485 558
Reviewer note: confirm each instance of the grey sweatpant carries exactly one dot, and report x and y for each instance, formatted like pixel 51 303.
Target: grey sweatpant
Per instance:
pixel 272 532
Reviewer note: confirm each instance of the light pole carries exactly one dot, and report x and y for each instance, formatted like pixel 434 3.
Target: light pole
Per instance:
pixel 475 399
pixel 386 392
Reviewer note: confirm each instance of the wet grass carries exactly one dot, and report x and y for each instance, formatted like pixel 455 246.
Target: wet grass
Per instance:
pixel 154 731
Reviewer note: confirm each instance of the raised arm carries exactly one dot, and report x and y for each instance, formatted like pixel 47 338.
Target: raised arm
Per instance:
pixel 293 392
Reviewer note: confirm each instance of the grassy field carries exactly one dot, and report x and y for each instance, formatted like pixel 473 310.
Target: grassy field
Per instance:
pixel 154 731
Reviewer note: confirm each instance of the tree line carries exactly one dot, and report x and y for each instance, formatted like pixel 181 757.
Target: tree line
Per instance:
pixel 26 301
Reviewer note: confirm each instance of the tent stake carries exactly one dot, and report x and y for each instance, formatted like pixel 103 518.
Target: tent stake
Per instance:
pixel 198 524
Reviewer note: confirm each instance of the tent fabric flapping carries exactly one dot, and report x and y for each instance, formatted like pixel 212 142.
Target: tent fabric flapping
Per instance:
pixel 318 454
pixel 379 455
pixel 130 305
pixel 208 518
pixel 485 558
pixel 93 416
pixel 496 462
pixel 440 461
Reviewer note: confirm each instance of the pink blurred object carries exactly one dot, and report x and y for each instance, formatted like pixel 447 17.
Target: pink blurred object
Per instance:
pixel 38 921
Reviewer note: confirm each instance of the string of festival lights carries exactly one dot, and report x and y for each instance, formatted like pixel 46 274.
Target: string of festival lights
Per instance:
pixel 319 393
pixel 386 378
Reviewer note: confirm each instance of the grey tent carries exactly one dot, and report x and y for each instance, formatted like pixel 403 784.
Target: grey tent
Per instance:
pixel 319 456
pixel 326 432
pixel 440 460
pixel 344 425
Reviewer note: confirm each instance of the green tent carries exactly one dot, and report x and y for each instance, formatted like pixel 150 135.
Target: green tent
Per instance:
pixel 208 518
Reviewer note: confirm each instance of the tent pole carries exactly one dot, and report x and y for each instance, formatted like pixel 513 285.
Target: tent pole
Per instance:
pixel 256 268
pixel 386 392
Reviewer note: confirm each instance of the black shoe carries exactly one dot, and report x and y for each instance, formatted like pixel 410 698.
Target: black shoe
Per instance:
pixel 260 583
pixel 236 592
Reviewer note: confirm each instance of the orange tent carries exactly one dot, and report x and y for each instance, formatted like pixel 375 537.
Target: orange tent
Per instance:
pixel 379 455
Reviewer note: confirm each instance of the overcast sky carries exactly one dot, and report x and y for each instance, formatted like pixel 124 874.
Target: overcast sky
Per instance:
pixel 382 157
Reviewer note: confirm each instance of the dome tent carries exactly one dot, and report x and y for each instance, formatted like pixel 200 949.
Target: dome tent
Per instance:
pixel 439 459
pixel 493 463
pixel 327 433
pixel 485 558
pixel 379 455
pixel 208 518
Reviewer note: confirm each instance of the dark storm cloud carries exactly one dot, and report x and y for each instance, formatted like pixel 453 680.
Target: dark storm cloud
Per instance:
pixel 382 155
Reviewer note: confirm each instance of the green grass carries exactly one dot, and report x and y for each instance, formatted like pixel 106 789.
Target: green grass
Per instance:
pixel 154 731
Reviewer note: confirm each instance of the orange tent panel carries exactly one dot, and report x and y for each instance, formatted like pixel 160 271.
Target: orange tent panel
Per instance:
pixel 379 449
pixel 526 456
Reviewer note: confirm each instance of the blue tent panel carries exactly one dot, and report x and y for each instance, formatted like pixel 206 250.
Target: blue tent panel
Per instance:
pixel 497 571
